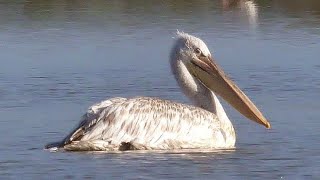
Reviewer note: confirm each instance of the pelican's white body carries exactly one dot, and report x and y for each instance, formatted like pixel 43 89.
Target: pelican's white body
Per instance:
pixel 150 123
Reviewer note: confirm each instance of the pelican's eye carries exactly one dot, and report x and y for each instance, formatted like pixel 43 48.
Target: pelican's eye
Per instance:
pixel 198 51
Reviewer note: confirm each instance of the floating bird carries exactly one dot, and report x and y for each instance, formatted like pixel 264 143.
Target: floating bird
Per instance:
pixel 147 123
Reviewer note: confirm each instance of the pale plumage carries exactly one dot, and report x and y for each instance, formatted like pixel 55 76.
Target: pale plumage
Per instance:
pixel 145 123
pixel 151 123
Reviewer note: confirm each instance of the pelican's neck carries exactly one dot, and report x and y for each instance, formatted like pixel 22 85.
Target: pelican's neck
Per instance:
pixel 199 94
pixel 228 130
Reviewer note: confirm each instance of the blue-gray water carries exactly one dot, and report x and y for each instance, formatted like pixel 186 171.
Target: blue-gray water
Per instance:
pixel 59 57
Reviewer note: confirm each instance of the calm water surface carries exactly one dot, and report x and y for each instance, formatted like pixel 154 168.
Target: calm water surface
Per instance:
pixel 59 57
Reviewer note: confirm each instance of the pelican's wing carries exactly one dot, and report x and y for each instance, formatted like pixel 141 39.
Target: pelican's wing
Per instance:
pixel 145 123
pixel 90 118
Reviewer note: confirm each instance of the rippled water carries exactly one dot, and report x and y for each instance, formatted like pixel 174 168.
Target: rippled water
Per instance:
pixel 59 57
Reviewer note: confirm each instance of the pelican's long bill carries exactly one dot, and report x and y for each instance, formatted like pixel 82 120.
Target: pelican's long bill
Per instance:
pixel 208 72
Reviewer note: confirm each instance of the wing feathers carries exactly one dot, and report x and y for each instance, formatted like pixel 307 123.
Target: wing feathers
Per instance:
pixel 148 121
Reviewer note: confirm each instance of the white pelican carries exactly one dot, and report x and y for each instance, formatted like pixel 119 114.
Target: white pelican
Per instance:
pixel 150 123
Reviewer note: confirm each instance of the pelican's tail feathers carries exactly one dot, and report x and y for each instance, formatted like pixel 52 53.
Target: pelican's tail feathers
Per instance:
pixel 54 146
pixel 93 145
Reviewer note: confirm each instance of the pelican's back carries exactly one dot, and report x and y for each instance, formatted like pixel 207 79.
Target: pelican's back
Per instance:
pixel 144 123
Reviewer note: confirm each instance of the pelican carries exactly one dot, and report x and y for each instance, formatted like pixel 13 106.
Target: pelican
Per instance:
pixel 147 123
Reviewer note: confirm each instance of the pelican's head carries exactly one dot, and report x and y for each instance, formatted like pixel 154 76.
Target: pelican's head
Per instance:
pixel 194 58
